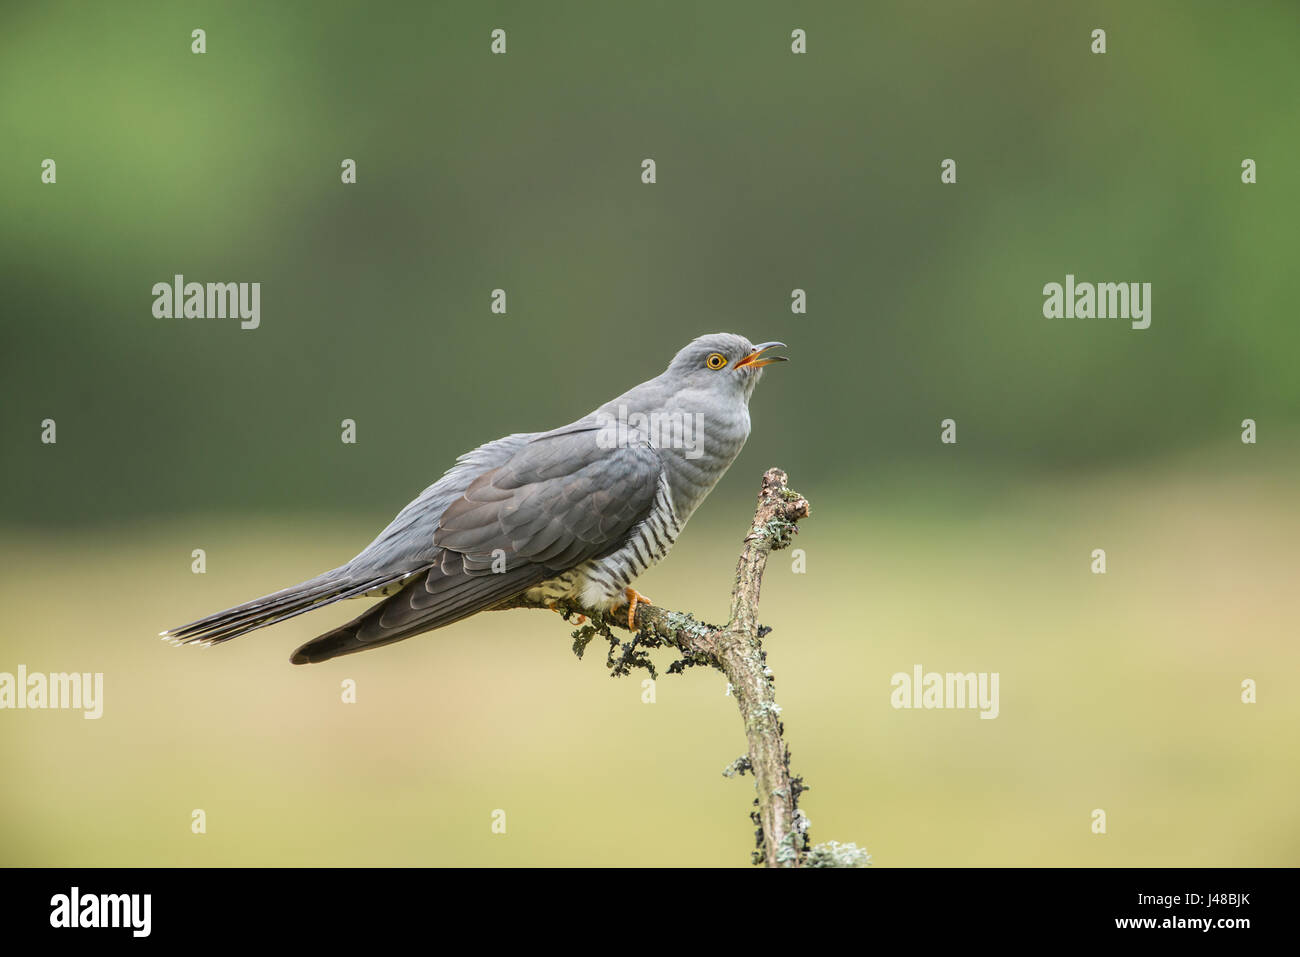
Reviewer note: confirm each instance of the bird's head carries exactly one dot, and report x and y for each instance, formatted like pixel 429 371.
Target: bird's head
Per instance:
pixel 722 363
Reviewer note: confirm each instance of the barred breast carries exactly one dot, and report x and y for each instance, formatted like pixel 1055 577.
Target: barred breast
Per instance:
pixel 600 583
pixel 687 478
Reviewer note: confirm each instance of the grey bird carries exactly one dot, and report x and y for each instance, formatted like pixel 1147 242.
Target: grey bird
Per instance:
pixel 575 513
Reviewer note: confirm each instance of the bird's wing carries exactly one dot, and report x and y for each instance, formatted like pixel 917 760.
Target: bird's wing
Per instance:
pixel 560 500
pixel 406 544
pixel 403 549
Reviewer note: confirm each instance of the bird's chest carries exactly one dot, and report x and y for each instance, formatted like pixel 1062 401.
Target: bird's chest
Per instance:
pixel 601 582
pixel 692 473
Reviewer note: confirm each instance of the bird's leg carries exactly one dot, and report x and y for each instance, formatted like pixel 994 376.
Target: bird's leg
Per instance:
pixel 582 619
pixel 634 598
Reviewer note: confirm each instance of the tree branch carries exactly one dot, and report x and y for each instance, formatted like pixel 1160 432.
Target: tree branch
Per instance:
pixel 736 650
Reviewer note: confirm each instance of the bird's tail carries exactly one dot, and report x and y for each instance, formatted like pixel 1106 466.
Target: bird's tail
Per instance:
pixel 276 607
pixel 428 601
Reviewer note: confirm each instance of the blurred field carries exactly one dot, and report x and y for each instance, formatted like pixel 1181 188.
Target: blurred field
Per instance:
pixel 1119 692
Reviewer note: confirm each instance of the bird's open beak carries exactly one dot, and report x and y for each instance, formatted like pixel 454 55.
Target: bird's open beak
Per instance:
pixel 753 358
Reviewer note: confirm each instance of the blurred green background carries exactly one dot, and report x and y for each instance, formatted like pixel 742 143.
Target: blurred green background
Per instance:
pixel 775 171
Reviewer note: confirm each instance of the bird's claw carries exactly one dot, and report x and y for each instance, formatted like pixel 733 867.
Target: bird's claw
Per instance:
pixel 634 598
pixel 582 619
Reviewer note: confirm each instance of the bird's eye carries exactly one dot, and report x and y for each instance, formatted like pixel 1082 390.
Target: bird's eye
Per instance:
pixel 716 360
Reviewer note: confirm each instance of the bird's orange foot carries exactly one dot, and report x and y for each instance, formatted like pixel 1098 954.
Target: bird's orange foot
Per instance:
pixel 634 598
pixel 582 619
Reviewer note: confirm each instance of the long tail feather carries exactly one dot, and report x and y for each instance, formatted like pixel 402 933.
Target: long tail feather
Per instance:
pixel 428 601
pixel 276 607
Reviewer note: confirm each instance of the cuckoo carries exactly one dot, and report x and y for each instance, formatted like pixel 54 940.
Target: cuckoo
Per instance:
pixel 576 513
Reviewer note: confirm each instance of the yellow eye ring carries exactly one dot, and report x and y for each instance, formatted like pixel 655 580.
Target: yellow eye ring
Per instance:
pixel 715 361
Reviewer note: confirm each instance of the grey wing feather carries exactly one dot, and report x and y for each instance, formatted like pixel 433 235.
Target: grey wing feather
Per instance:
pixel 559 500
pixel 401 550
pixel 407 542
